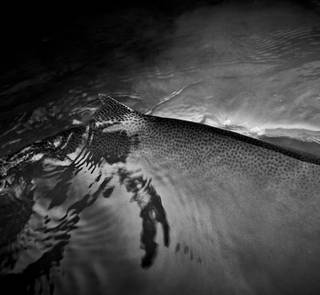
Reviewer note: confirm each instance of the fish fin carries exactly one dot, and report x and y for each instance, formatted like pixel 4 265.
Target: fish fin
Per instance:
pixel 111 110
pixel 110 102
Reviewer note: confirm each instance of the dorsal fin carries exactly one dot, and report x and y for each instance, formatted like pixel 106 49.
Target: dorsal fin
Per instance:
pixel 111 110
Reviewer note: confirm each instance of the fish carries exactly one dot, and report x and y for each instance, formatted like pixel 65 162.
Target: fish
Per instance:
pixel 188 208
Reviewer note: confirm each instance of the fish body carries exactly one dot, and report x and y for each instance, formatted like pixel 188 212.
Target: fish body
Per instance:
pixel 218 212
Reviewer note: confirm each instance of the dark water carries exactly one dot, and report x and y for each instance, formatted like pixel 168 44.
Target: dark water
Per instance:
pixel 249 66
pixel 78 223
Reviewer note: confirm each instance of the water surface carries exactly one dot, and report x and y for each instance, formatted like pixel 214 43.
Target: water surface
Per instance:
pixel 253 68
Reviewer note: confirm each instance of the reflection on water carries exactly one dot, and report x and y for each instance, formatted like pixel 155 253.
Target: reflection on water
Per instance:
pixel 95 208
pixel 45 188
pixel 133 202
pixel 252 67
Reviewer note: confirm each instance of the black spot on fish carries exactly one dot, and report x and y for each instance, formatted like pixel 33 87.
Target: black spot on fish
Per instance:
pixel 107 193
pixel 186 250
pixel 177 249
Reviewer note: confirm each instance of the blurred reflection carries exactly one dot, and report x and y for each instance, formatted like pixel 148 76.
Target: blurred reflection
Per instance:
pixel 159 206
pixel 41 206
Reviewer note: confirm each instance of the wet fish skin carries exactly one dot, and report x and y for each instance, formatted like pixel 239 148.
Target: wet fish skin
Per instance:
pixel 263 201
pixel 253 221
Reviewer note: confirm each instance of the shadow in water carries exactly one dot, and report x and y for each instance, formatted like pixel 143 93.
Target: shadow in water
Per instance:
pixel 41 206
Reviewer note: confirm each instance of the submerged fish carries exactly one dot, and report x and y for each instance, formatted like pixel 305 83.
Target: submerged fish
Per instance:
pixel 214 212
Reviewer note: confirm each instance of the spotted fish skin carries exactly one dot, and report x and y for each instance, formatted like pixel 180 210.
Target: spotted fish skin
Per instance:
pixel 262 201
pixel 188 145
pixel 250 214
pixel 211 152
